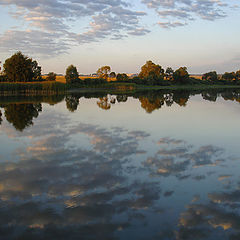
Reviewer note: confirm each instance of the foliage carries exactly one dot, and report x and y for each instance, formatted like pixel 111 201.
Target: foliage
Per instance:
pixel 20 68
pixel 238 75
pixel 169 73
pixel 21 115
pixel 229 76
pixel 103 72
pixel 150 69
pixel 122 77
pixel 0 117
pixel 210 76
pixel 32 88
pixel 112 75
pixel 181 76
pixel 3 78
pixel 72 102
pixel 71 75
pixel 51 76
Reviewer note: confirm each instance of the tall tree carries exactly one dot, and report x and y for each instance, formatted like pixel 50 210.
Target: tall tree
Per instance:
pixel 20 68
pixel 151 69
pixel 238 75
pixel 103 72
pixel 71 74
pixel 229 76
pixel 169 73
pixel 210 76
pixel 181 75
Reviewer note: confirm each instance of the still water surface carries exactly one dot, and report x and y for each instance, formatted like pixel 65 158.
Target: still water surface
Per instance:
pixel 154 165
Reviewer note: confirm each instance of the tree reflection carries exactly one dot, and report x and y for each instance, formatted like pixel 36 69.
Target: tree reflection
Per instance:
pixel 21 115
pixel 151 104
pixel 210 95
pixel 103 103
pixel 181 97
pixel 72 102
pixel 0 117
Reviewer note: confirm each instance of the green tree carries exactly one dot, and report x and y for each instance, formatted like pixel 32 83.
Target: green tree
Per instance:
pixel 103 72
pixel 210 76
pixel 51 76
pixel 169 73
pixel 20 68
pixel 238 75
pixel 71 74
pixel 112 75
pixel 122 77
pixel 150 69
pixel 229 76
pixel 181 75
pixel 36 71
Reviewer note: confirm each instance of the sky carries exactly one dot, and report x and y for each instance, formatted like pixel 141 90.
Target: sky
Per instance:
pixel 202 35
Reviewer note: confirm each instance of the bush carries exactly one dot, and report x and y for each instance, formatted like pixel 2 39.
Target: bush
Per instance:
pixel 122 77
pixel 3 78
pixel 51 76
pixel 210 76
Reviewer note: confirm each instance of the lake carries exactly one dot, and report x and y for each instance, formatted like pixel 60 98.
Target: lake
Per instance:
pixel 147 165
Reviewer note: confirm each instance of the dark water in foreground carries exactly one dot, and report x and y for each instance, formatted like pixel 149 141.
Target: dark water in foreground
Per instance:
pixel 154 165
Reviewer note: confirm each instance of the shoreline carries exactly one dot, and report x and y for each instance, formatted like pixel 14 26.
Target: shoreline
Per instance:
pixel 54 88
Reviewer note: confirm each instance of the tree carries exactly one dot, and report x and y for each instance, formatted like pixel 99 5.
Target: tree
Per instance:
pixel 229 76
pixel 122 77
pixel 36 71
pixel 51 76
pixel 150 69
pixel 71 74
pixel 169 73
pixel 181 75
pixel 112 75
pixel 238 75
pixel 103 72
pixel 20 68
pixel 210 76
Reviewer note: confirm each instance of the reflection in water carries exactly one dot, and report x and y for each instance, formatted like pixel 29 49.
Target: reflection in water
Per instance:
pixel 0 117
pixel 80 180
pixel 104 103
pixel 21 115
pixel 72 103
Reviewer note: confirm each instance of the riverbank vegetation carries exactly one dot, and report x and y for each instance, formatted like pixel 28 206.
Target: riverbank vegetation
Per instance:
pixel 23 75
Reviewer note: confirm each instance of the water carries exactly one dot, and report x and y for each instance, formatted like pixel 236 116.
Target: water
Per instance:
pixel 152 165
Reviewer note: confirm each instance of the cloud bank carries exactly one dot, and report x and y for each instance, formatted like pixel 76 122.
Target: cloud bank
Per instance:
pixel 53 27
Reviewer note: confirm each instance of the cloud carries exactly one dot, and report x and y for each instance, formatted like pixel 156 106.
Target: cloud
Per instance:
pixel 32 42
pixel 52 21
pixel 169 25
pixel 186 10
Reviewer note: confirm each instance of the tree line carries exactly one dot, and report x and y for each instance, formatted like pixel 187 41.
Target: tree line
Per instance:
pixel 20 68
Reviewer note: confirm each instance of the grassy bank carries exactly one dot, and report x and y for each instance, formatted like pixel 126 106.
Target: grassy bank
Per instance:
pixel 129 87
pixel 32 88
pixel 55 88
